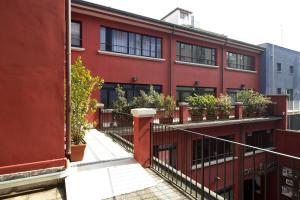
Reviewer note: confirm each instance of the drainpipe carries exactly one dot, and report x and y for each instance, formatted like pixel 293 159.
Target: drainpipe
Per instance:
pixel 223 65
pixel 68 78
pixel 170 63
pixel 273 70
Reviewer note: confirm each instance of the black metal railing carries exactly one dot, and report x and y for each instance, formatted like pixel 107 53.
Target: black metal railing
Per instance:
pixel 208 167
pixel 117 125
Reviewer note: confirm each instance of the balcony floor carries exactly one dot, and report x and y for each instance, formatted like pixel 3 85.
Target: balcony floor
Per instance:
pixel 109 172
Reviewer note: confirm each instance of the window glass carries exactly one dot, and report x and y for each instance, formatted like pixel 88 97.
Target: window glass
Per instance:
pixel 240 61
pixel 131 43
pixel 279 67
pixel 291 69
pixel 103 38
pixel 158 47
pixel 138 44
pixel 75 34
pixel 186 52
pixel 119 41
pixel 146 46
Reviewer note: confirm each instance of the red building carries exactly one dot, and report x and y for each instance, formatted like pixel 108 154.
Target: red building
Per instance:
pixel 138 51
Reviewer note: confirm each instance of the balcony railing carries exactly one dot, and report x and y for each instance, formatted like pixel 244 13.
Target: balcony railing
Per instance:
pixel 293 106
pixel 208 167
pixel 118 125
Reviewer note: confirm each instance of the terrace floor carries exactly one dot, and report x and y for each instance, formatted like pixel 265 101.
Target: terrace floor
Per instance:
pixel 109 172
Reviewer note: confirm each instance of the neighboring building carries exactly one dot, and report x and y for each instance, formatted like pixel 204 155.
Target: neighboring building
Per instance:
pixel 281 71
pixel 32 69
pixel 137 51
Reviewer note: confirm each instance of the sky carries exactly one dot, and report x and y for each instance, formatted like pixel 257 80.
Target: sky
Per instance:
pixel 252 21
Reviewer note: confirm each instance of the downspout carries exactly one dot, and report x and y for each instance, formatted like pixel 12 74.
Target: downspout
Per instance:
pixel 171 61
pixel 223 65
pixel 68 78
pixel 273 71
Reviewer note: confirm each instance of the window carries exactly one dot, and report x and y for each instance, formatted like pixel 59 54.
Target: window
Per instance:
pixel 239 61
pixel 291 69
pixel 279 91
pixel 290 94
pixel 108 93
pixel 233 94
pixel 195 54
pixel 184 15
pixel 129 43
pixel 212 149
pixel 278 67
pixel 76 40
pixel 262 139
pixel 182 92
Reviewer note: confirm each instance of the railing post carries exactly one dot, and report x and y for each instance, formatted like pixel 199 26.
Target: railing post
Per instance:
pixel 100 106
pixel 142 117
pixel 238 110
pixel 183 112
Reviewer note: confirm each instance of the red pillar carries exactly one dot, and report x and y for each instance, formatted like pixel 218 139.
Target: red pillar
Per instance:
pixel 238 110
pixel 183 112
pixel 281 109
pixel 142 118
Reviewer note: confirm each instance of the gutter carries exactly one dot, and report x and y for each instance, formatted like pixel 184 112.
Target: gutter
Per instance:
pixel 68 78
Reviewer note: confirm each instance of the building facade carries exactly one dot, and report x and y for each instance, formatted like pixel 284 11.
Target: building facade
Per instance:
pixel 178 60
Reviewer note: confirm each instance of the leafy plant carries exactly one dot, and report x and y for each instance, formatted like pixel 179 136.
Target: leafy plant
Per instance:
pixel 224 104
pixel 197 103
pixel 169 106
pixel 152 99
pixel 210 103
pixel 120 104
pixel 82 86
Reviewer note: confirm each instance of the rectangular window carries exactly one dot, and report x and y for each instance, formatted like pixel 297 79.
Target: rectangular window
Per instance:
pixel 291 69
pixel 182 92
pixel 290 93
pixel 213 149
pixel 262 139
pixel 76 40
pixel 195 54
pixel 233 94
pixel 278 90
pixel 129 43
pixel 279 67
pixel 239 61
pixel 108 93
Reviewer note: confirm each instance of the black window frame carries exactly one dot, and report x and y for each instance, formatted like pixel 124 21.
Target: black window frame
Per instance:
pixel 80 33
pixel 237 64
pixel 108 47
pixel 193 90
pixel 213 51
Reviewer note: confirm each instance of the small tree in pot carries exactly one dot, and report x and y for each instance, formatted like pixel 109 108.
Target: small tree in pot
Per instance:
pixel 224 105
pixel 82 86
pixel 198 107
pixel 210 103
pixel 169 106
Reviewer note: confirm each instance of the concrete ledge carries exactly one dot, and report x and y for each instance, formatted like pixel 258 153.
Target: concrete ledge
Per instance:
pixel 143 112
pixel 183 104
pixel 241 70
pixel 196 64
pixel 77 49
pixel 131 56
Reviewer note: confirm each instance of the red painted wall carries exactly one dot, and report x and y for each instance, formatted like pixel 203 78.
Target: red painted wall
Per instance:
pixel 32 85
pixel 121 70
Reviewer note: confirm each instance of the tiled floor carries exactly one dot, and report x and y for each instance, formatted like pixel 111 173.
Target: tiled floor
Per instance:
pixel 57 193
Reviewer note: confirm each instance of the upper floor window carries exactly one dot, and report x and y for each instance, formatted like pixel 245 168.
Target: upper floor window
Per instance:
pixel 129 43
pixel 195 54
pixel 279 67
pixel 239 61
pixel 279 91
pixel 291 69
pixel 76 38
pixel 184 15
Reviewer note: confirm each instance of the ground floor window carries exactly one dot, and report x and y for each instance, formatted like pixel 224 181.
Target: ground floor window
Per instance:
pixel 182 92
pixel 262 139
pixel 232 93
pixel 108 93
pixel 212 149
pixel 166 153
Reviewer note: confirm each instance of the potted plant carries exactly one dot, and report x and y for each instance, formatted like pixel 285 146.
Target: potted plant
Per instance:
pixel 169 106
pixel 82 86
pixel 198 107
pixel 224 105
pixel 210 103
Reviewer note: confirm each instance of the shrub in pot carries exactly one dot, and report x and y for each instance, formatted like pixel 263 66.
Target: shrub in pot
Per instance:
pixel 224 106
pixel 210 103
pixel 82 86
pixel 198 107
pixel 169 107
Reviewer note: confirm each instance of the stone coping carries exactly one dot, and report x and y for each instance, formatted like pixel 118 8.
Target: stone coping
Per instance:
pixel 143 112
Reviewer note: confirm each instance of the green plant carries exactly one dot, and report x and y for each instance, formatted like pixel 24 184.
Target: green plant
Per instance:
pixel 197 103
pixel 82 86
pixel 169 106
pixel 254 102
pixel 120 104
pixel 210 103
pixel 224 104
pixel 152 99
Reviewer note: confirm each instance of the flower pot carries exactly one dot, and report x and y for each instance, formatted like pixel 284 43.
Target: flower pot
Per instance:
pixel 196 118
pixel 224 116
pixel 166 120
pixel 77 152
pixel 211 117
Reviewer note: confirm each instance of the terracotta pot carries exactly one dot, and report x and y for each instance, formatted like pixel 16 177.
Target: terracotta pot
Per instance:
pixel 164 120
pixel 77 152
pixel 224 116
pixel 211 117
pixel 197 118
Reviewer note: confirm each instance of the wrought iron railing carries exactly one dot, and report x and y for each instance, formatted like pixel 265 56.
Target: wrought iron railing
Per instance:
pixel 117 125
pixel 208 167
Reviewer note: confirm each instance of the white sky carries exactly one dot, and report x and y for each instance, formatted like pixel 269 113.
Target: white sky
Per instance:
pixel 253 21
